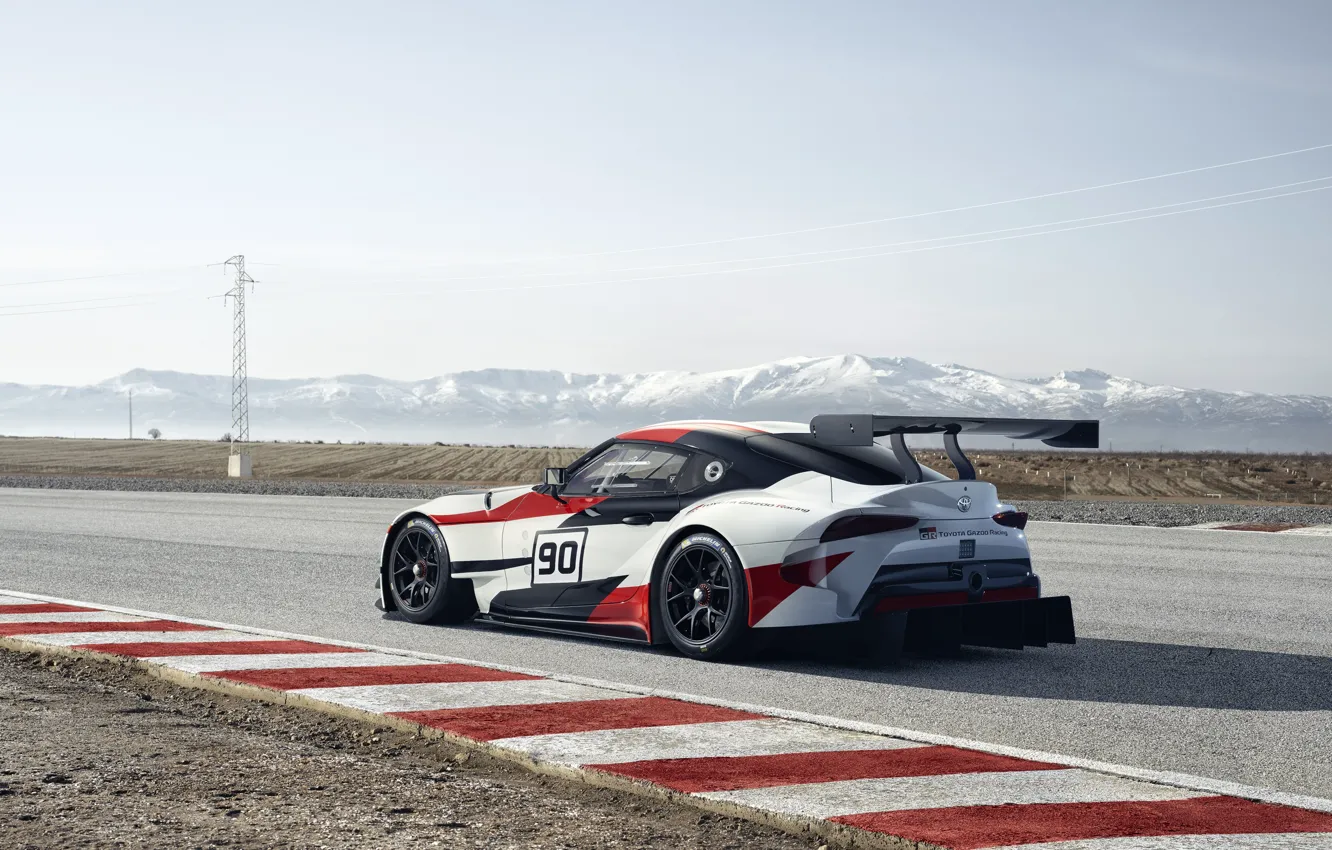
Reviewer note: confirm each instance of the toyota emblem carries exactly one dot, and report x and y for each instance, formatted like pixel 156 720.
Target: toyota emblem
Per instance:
pixel 964 504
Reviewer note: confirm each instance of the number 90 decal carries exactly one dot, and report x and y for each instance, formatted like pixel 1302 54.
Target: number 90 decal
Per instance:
pixel 557 556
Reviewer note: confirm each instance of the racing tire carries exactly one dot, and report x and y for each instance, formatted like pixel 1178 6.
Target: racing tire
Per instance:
pixel 702 600
pixel 420 579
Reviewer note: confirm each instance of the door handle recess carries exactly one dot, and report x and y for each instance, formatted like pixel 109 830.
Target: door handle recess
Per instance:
pixel 637 519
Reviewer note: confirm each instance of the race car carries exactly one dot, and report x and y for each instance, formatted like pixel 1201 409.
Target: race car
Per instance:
pixel 712 535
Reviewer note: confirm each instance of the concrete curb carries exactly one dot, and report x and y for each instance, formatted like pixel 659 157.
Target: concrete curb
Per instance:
pixel 838 834
pixel 1174 779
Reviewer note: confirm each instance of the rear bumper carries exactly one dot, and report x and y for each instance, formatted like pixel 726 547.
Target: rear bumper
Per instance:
pixel 899 587
pixel 1004 625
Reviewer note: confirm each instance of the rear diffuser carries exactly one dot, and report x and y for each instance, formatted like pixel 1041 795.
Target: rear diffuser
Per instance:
pixel 1004 625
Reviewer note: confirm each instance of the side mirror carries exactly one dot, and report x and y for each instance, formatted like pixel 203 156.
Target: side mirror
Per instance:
pixel 555 476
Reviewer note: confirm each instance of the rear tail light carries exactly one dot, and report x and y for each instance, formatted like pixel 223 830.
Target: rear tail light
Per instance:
pixel 863 524
pixel 1012 519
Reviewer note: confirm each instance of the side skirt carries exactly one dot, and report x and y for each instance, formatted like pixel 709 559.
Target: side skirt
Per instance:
pixel 603 631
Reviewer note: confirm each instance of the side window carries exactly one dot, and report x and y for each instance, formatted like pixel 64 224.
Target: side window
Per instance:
pixel 701 470
pixel 629 469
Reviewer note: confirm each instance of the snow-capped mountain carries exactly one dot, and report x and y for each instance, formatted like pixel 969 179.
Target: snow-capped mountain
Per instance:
pixel 560 408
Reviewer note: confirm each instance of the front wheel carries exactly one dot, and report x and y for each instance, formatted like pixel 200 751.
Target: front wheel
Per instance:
pixel 702 599
pixel 420 580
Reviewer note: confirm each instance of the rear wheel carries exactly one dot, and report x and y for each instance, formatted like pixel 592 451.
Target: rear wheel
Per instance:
pixel 419 578
pixel 702 600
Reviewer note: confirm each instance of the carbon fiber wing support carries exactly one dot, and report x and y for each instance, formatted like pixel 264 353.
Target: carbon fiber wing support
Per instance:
pixel 861 429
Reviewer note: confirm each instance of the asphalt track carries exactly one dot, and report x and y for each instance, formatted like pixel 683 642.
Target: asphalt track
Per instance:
pixel 1201 652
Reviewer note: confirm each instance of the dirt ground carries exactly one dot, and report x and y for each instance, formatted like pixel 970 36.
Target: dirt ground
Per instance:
pixel 1167 476
pixel 98 755
pixel 312 461
pixel 1194 477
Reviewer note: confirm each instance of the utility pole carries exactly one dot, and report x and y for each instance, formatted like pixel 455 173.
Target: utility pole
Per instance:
pixel 131 413
pixel 238 464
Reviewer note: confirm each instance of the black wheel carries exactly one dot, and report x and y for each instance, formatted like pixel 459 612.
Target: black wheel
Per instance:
pixel 702 601
pixel 419 579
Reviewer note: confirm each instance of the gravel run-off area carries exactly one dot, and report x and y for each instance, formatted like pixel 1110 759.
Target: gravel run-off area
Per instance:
pixel 101 755
pixel 1163 514
pixel 1173 514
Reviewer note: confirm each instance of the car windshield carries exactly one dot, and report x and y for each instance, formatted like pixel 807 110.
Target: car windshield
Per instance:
pixel 873 465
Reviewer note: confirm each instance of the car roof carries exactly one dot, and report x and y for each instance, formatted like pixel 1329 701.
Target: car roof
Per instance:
pixel 669 432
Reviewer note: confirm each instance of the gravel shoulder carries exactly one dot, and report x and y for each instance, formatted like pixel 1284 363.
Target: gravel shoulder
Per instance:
pixel 1162 514
pixel 99 755
pixel 1173 514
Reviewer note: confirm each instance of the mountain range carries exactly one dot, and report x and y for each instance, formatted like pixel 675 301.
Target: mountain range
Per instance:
pixel 547 407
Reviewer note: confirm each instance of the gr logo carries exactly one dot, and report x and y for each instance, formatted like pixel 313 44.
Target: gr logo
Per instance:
pixel 929 533
pixel 557 556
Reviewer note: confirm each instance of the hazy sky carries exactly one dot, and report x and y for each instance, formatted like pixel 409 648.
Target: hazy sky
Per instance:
pixel 379 158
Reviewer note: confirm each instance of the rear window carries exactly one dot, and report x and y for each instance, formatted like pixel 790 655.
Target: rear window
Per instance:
pixel 873 465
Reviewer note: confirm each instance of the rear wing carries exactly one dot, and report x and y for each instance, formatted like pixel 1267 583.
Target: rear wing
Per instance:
pixel 861 429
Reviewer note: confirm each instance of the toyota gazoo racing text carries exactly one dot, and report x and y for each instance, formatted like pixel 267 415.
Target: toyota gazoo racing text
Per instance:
pixel 709 535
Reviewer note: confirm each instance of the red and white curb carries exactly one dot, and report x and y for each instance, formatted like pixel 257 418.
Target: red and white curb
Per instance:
pixel 1266 527
pixel 780 766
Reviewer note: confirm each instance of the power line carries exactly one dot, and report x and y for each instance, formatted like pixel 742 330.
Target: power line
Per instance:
pixel 834 259
pixel 775 234
pixel 891 244
pixel 909 216
pixel 99 276
pixel 870 256
pixel 90 300
pixel 77 309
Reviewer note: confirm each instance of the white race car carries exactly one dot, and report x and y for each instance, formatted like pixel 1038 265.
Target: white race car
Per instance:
pixel 709 535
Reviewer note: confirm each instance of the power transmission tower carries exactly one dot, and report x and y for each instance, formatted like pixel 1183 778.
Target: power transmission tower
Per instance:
pixel 240 390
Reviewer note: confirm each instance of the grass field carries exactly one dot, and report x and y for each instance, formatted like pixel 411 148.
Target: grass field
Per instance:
pixel 1038 475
